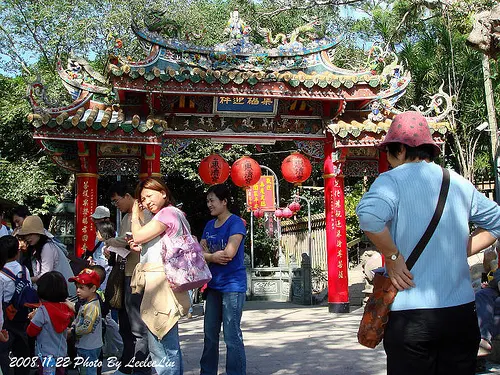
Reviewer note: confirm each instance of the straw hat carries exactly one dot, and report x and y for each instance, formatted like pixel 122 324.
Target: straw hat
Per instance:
pixel 31 225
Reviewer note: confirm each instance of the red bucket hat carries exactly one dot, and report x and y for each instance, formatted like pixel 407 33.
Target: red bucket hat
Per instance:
pixel 411 129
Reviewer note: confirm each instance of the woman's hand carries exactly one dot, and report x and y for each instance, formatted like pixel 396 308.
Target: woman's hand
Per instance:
pixel 220 257
pixel 4 335
pixel 134 246
pixel 137 211
pixel 400 276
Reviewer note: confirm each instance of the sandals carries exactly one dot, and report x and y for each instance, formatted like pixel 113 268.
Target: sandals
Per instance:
pixel 484 348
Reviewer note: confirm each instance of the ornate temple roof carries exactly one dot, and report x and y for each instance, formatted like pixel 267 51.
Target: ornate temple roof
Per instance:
pixel 175 91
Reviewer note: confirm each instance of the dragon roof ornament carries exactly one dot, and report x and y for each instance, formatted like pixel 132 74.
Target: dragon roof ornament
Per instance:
pixel 302 41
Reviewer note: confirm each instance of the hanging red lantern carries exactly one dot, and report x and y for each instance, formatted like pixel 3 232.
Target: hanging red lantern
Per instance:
pixel 213 169
pixel 245 172
pixel 287 213
pixel 278 213
pixel 296 168
pixel 258 213
pixel 294 206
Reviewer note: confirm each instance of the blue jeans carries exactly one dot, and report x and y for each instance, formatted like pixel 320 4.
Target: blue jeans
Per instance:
pixel 225 308
pixel 166 353
pixel 91 356
pixel 485 308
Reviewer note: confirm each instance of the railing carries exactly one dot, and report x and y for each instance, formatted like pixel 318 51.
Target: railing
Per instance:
pixel 486 187
pixel 295 241
pixel 290 283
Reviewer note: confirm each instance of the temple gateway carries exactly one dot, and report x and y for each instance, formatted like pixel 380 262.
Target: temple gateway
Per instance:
pixel 235 92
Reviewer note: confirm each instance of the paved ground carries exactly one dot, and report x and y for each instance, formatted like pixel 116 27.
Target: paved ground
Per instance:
pixel 283 338
pixel 288 339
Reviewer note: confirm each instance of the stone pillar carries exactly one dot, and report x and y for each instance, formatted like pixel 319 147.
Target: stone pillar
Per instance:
pixel 86 197
pixel 336 242
pixel 150 161
pixel 306 279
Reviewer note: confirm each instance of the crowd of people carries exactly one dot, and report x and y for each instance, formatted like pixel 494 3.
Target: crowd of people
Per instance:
pixel 75 320
pixel 433 326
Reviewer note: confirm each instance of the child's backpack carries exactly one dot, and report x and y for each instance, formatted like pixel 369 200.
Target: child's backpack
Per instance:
pixel 24 297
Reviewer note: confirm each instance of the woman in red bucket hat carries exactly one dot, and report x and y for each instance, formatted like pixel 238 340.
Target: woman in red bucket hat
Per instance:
pixel 432 326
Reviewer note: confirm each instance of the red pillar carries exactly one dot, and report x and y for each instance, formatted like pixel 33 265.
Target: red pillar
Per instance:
pixel 150 162
pixel 383 164
pixel 336 243
pixel 86 197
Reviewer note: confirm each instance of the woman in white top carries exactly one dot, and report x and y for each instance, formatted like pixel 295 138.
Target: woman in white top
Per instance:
pixel 46 255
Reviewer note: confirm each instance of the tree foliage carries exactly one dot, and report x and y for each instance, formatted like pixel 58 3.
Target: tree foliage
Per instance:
pixel 428 36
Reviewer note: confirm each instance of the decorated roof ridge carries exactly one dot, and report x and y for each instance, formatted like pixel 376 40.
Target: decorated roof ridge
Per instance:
pixel 321 79
pixel 41 105
pixel 76 77
pixel 367 141
pixel 294 44
pixel 325 59
pixel 379 119
pixel 347 128
pixel 152 57
pixel 90 120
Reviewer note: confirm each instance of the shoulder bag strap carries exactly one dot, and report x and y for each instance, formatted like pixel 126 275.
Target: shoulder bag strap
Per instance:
pixel 8 273
pixel 415 254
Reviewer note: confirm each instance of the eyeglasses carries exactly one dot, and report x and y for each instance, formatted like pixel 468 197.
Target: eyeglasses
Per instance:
pixel 114 202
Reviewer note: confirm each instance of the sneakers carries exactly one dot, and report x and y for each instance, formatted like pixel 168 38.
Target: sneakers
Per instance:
pixel 484 348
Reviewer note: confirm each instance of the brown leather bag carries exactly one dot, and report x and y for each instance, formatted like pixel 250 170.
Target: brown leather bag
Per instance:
pixel 376 315
pixel 377 309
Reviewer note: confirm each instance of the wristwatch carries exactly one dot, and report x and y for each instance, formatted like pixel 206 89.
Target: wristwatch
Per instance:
pixel 393 257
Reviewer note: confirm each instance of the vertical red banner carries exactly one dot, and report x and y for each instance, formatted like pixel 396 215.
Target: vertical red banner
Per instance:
pixel 336 242
pixel 261 195
pixel 86 202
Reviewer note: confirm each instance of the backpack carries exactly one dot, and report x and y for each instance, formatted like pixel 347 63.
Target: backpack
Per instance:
pixel 24 297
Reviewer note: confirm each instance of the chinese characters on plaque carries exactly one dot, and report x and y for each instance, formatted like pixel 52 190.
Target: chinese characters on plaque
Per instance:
pixel 244 105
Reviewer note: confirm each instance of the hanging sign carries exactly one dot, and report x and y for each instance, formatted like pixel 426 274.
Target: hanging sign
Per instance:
pixel 239 104
pixel 261 195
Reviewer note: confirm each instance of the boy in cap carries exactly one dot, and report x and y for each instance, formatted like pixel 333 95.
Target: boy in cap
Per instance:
pixel 87 327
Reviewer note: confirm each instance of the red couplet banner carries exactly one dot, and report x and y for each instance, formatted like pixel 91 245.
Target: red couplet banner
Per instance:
pixel 261 195
pixel 86 202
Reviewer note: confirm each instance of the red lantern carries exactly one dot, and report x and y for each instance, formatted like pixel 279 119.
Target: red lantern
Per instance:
pixel 213 169
pixel 258 213
pixel 245 172
pixel 287 213
pixel 294 206
pixel 296 168
pixel 278 213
